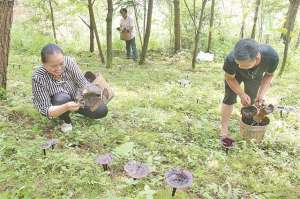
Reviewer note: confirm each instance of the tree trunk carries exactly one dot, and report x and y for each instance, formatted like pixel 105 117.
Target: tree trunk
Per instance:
pixel 243 20
pixel 6 16
pixel 93 23
pixel 109 34
pixel 211 24
pixel 290 22
pixel 197 37
pixel 177 25
pixel 283 35
pixel 255 18
pixel 92 43
pixel 52 21
pixel 170 22
pixel 261 25
pixel 91 33
pixel 144 19
pixel 137 22
pixel 298 41
pixel 192 15
pixel 148 31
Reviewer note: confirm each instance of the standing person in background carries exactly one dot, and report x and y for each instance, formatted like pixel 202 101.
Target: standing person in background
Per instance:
pixel 127 25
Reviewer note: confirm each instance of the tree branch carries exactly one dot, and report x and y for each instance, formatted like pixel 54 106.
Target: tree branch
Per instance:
pixel 85 22
pixel 195 26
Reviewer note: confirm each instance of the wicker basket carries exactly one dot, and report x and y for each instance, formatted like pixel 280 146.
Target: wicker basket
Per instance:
pixel 125 36
pixel 249 132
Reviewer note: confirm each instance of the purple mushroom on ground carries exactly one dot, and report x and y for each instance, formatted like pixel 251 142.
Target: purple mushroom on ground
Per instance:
pixel 136 170
pixel 178 179
pixel 227 143
pixel 49 143
pixel 104 160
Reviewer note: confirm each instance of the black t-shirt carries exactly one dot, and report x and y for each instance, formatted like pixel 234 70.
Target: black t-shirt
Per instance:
pixel 269 62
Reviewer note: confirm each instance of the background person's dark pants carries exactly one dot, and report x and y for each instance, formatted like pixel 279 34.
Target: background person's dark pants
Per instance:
pixel 251 87
pixel 131 50
pixel 62 98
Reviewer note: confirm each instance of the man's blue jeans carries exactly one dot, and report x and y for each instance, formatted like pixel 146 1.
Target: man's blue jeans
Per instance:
pixel 131 50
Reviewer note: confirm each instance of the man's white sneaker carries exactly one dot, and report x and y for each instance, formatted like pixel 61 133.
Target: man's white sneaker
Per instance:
pixel 66 127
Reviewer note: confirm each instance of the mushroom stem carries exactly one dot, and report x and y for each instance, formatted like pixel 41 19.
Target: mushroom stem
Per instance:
pixel 226 150
pixel 44 151
pixel 173 192
pixel 105 167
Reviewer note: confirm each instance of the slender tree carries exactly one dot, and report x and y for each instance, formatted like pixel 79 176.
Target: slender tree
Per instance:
pixel 290 22
pixel 197 37
pixel 243 20
pixel 211 24
pixel 92 48
pixel 177 25
pixel 93 23
pixel 6 16
pixel 298 41
pixel 147 33
pixel 257 4
pixel 144 18
pixel 137 21
pixel 52 20
pixel 109 34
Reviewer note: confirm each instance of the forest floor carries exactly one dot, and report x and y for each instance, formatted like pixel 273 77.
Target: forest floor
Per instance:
pixel 153 119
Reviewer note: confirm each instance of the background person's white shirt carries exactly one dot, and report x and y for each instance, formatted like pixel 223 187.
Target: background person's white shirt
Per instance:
pixel 126 24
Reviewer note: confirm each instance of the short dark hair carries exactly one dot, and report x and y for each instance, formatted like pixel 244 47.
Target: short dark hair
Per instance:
pixel 245 49
pixel 50 49
pixel 123 10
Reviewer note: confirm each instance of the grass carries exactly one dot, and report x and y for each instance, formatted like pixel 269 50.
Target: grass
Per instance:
pixel 151 119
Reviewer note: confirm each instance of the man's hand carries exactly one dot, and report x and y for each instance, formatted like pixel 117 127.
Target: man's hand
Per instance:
pixel 245 99
pixel 259 101
pixel 72 106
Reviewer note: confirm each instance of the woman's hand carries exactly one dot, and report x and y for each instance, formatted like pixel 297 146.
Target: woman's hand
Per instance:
pixel 72 106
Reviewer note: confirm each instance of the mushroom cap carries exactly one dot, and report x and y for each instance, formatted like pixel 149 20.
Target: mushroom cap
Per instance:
pixel 104 159
pixel 249 112
pixel 227 142
pixel 136 169
pixel 179 178
pixel 90 76
pixel 91 97
pixel 269 109
pixel 49 143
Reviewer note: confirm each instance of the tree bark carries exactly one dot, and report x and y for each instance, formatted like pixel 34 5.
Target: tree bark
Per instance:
pixel 92 43
pixel 52 21
pixel 197 37
pixel 177 26
pixel 261 25
pixel 211 24
pixel 93 23
pixel 298 41
pixel 243 20
pixel 147 33
pixel 137 22
pixel 290 22
pixel 109 34
pixel 91 34
pixel 6 16
pixel 255 18
pixel 144 18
